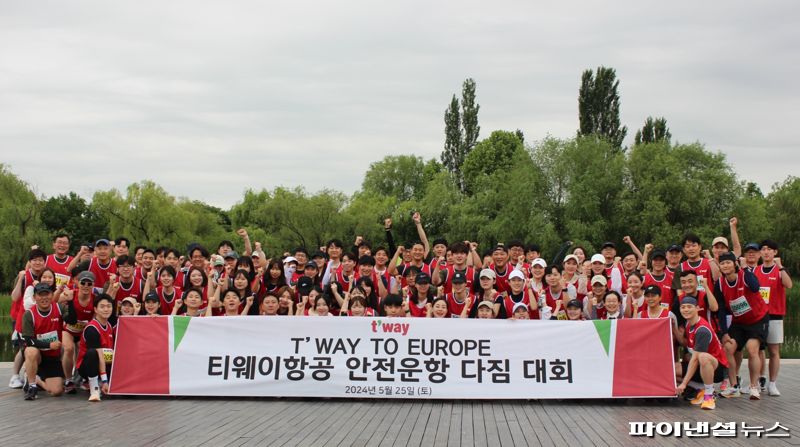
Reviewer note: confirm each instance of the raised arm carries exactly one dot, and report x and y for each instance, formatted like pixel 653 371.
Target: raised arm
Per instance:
pixel 735 242
pixel 421 232
pixel 392 267
pixel 634 248
pixel 248 248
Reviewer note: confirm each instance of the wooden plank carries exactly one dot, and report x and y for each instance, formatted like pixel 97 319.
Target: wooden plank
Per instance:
pixel 421 424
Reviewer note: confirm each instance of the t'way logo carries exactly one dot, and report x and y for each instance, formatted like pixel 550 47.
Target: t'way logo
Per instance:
pixel 392 328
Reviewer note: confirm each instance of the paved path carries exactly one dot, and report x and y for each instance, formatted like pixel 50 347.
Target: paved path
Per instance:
pixel 123 421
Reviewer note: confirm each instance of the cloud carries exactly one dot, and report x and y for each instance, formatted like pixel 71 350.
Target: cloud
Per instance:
pixel 210 99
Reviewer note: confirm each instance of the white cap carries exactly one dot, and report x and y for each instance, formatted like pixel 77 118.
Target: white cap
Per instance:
pixel 488 273
pixel 519 306
pixel 720 240
pixel 570 257
pixel 599 279
pixel 289 259
pixel 598 258
pixel 540 262
pixel 516 274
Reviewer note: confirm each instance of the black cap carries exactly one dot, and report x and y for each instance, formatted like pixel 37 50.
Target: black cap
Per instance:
pixel 752 246
pixel 231 255
pixel 574 303
pixel 423 278
pixel 41 288
pixel 675 247
pixel 102 242
pixel 459 278
pixel 769 243
pixel 311 264
pixel 304 285
pixel 658 254
pixel 151 296
pixel 608 244
pixel 319 254
pixel 652 289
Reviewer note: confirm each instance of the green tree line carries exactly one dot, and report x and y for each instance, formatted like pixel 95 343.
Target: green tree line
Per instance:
pixel 587 189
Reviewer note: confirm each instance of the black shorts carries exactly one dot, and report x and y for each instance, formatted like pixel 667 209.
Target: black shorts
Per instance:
pixel 50 367
pixel 719 373
pixel 743 332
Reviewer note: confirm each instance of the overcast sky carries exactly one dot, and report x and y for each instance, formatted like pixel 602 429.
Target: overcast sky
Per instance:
pixel 211 100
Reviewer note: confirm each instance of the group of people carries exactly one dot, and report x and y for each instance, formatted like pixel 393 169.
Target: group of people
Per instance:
pixel 720 301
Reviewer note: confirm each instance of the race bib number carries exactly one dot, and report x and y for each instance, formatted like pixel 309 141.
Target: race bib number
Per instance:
pixel 77 327
pixel 108 355
pixel 740 306
pixel 664 306
pixel 48 337
pixel 61 279
pixel 764 291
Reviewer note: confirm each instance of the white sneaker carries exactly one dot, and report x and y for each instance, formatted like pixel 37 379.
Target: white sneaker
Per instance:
pixel 773 390
pixel 745 390
pixel 94 396
pixel 15 382
pixel 755 393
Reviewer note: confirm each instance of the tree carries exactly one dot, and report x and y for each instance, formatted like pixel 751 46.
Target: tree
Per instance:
pixel 20 225
pixel 399 176
pixel 461 130
pixel 598 106
pixel 495 153
pixel 783 208
pixel 71 214
pixel 653 131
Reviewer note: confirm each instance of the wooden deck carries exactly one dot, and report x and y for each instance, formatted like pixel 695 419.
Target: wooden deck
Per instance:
pixel 71 421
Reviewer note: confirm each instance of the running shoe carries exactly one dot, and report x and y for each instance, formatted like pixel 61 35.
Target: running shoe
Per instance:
pixel 731 392
pixel 94 396
pixel 15 382
pixel 31 393
pixel 69 387
pixel 698 399
pixel 762 382
pixel 773 389
pixel 725 384
pixel 709 404
pixel 755 393
pixel 84 384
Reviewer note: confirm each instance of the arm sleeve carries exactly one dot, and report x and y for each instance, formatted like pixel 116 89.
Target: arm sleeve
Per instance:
pixel 68 313
pixel 751 280
pixel 28 333
pixel 92 338
pixel 390 243
pixel 702 339
pixel 562 252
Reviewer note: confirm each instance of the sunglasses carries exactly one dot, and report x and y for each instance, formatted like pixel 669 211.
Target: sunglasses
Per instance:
pixel 86 283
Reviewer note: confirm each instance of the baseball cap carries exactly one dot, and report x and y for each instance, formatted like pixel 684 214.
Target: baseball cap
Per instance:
pixel 488 273
pixel 255 254
pixel 574 303
pixel 311 265
pixel 608 244
pixel 42 288
pixel 652 290
pixel 231 255
pixel 658 254
pixel 423 278
pixel 304 285
pixel 151 296
pixel 102 242
pixel 598 258
pixel 516 274
pixel 752 246
pixel 290 259
pixel 599 279
pixel 675 247
pixel 688 299
pixel 519 306
pixel 540 262
pixel 486 303
pixel 319 254
pixel 570 258
pixel 85 275
pixel 218 262
pixel 720 240
pixel 458 278
pixel 129 299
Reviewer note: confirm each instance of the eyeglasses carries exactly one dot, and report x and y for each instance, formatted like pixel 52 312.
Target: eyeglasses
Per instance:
pixel 86 283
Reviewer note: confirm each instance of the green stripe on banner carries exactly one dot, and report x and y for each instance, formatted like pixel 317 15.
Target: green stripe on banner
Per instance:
pixel 179 326
pixel 603 328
